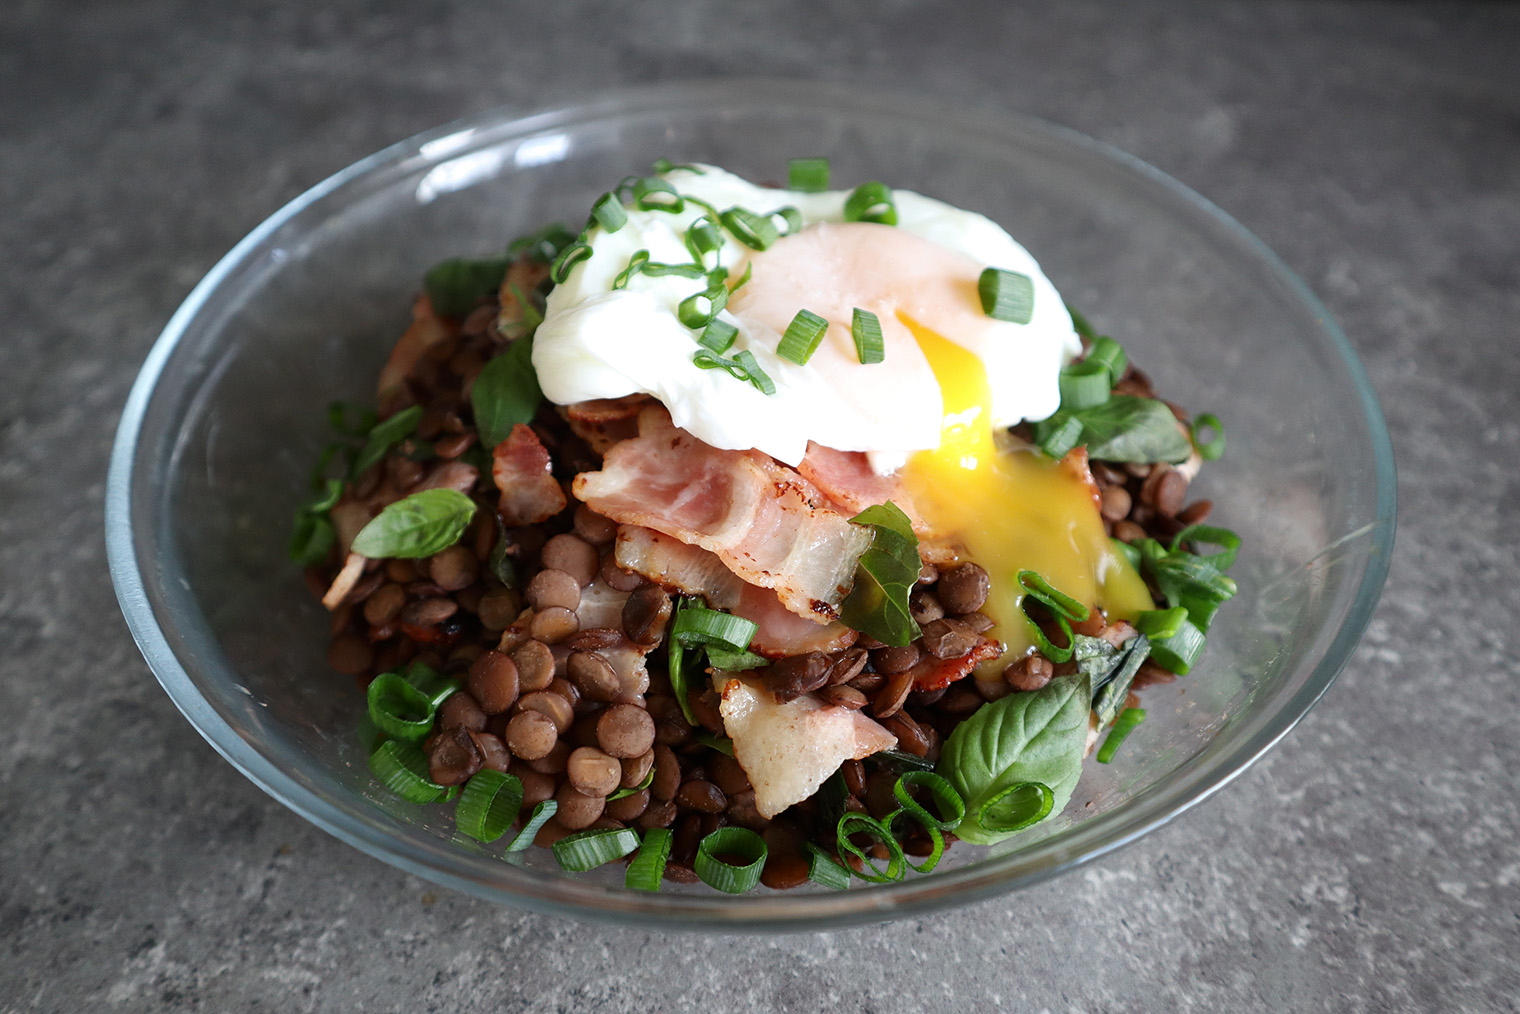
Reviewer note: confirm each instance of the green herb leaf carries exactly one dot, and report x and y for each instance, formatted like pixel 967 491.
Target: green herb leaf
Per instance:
pixel 311 539
pixel 1024 737
pixel 383 436
pixel 506 393
pixel 456 286
pixel 424 523
pixel 878 602
pixel 1127 428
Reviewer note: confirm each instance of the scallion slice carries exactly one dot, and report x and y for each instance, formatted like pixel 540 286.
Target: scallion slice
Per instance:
pixel 1006 295
pixel 700 309
pixel 1111 355
pixel 802 337
pixel 718 336
pixel 865 329
pixel 871 202
pixel 1084 385
pixel 717 872
pixel 1160 623
pixel 1058 601
pixel 753 373
pixel 1228 541
pixel 1123 726
pixel 608 211
pixel 1178 652
pixel 586 850
pixel 855 822
pixel 646 868
pixel 1058 434
pixel 809 175
pixel 734 661
pixel 654 194
pixel 488 805
pixel 536 820
pixel 430 681
pixel 790 217
pixel 1016 807
pixel 757 232
pixel 749 270
pixel 698 625
pixel 943 793
pixel 1212 448
pixel 825 870
pixel 568 258
pixel 913 811
pixel 403 768
pixel 703 241
pixel 399 709
pixel 722 744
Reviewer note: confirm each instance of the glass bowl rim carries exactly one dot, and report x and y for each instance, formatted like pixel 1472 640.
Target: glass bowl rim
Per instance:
pixel 780 911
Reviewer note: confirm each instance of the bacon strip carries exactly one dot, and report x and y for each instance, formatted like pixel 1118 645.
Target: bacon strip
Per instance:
pixel 427 330
pixel 846 478
pixel 603 422
pixel 520 466
pixel 763 520
pixel 930 673
pixel 695 571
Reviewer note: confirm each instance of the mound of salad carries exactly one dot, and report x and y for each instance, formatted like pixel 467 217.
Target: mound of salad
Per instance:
pixel 757 536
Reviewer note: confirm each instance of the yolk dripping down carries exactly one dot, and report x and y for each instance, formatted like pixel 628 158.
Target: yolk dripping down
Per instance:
pixel 1012 510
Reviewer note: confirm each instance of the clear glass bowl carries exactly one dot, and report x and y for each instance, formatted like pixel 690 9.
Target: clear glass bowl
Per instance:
pixel 228 413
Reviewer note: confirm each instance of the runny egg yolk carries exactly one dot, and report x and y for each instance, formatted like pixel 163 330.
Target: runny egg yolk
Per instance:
pixel 1011 509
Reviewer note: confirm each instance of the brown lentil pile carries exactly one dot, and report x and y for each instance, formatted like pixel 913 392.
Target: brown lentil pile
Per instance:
pixel 547 701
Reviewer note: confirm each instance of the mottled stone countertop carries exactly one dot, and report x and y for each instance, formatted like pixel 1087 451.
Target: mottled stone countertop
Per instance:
pixel 1370 863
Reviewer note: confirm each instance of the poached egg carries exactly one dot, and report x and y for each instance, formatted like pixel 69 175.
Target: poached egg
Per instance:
pixel 951 381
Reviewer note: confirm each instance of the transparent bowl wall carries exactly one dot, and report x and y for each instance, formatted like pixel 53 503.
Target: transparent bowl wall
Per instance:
pixel 228 415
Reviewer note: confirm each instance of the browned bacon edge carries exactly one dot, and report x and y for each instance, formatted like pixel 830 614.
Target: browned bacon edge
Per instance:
pixel 529 492
pixel 930 673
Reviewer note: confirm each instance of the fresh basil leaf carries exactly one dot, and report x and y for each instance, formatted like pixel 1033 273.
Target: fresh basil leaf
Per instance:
pixel 1127 428
pixel 1111 671
pixel 878 602
pixel 424 523
pixel 456 286
pixel 312 537
pixel 383 436
pixel 506 393
pixel 1025 737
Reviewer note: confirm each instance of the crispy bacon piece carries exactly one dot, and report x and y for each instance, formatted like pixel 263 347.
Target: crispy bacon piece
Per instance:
pixel 603 422
pixel 787 750
pixel 846 478
pixel 930 673
pixel 520 466
pixel 450 475
pixel 694 571
pixel 763 520
pixel 427 330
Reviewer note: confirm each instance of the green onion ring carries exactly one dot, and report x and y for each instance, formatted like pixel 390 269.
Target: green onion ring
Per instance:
pixel 399 709
pixel 722 875
pixel 897 864
pixel 1123 726
pixel 1213 448
pixel 646 868
pixel 403 768
pixel 536 821
pixel 825 870
pixel 488 805
pixel 1025 803
pixel 586 850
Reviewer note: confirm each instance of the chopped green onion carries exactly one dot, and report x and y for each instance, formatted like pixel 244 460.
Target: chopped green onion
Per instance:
pixel 1123 726
pixel 703 239
pixel 568 258
pixel 1058 434
pixel 790 217
pixel 1178 652
pixel 802 337
pixel 654 194
pixel 1111 355
pixel 698 625
pixel 635 265
pixel 871 202
pixel 739 842
pixel 1080 325
pixel 431 682
pixel 945 797
pixel 749 269
pixel 757 232
pixel 865 328
pixel 718 336
pixel 1058 601
pixel 586 850
pixel 544 245
pixel 699 310
pixel 1161 623
pixel 1016 807
pixel 370 737
pixel 403 768
pixel 826 871
pixel 399 709
pixel 855 822
pixel 648 866
pixel 488 805
pixel 676 664
pixel 540 816
pixel 624 793
pixel 809 175
pixel 734 661
pixel 608 211
pixel 1006 295
pixel 1228 541
pixel 753 373
pixel 898 761
pixel 1212 448
pixel 665 165
pixel 917 813
pixel 1084 385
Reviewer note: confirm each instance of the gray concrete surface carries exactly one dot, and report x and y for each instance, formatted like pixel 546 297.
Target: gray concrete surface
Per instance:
pixel 1368 864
